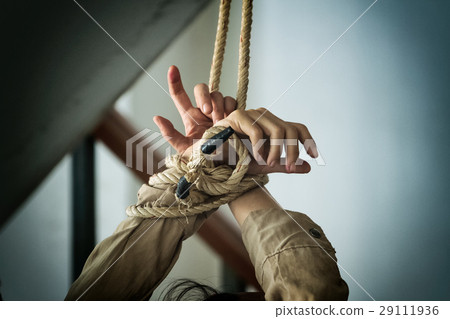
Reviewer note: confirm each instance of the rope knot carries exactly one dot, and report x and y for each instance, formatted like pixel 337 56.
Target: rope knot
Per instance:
pixel 212 186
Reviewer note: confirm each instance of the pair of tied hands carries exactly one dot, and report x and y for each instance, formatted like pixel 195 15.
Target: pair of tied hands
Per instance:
pixel 214 109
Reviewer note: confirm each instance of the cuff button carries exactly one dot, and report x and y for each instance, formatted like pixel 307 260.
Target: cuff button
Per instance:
pixel 315 233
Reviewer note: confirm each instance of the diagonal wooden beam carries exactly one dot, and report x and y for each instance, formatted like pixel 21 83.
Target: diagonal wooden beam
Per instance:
pixel 222 236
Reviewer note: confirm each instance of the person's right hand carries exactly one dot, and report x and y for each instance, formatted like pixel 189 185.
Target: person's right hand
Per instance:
pixel 211 107
pixel 261 124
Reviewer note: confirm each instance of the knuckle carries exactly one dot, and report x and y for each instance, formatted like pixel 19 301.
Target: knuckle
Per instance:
pixel 238 113
pixel 290 130
pixel 256 133
pixel 216 95
pixel 262 110
pixel 254 112
pixel 229 98
pixel 278 131
pixel 199 87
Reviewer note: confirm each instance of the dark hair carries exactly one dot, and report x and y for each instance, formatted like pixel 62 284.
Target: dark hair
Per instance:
pixel 185 289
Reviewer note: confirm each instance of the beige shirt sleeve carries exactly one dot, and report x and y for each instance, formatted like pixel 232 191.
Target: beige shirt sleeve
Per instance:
pixel 290 263
pixel 133 261
pixel 293 259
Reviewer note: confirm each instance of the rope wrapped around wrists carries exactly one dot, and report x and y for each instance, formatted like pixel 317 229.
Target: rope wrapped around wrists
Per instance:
pixel 211 185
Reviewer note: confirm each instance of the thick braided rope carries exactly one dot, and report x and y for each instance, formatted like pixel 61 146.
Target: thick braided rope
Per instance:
pixel 244 54
pixel 211 186
pixel 219 46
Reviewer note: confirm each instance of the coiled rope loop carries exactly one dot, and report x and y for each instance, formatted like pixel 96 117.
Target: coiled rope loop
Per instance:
pixel 212 186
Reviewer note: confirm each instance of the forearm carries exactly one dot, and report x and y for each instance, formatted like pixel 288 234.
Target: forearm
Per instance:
pixel 130 263
pixel 133 261
pixel 255 199
pixel 292 257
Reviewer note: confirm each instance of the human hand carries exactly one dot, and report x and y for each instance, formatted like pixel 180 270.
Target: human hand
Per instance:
pixel 261 124
pixel 211 107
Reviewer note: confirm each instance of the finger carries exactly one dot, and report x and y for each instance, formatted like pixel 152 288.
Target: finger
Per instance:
pixel 177 92
pixel 272 127
pixel 241 123
pixel 218 106
pixel 230 105
pixel 203 98
pixel 291 146
pixel 175 138
pixel 306 139
pixel 301 168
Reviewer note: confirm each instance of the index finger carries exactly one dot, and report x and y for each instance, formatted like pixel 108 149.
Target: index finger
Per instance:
pixel 177 92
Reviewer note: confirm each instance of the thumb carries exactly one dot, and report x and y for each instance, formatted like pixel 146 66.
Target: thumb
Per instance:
pixel 175 138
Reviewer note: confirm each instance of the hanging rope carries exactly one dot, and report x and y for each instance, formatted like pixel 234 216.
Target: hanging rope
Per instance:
pixel 211 186
pixel 244 50
pixel 219 46
pixel 244 54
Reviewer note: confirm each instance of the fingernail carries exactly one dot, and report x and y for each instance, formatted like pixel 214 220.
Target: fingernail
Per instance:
pixel 207 108
pixel 272 164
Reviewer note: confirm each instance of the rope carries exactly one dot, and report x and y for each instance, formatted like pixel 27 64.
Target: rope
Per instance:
pixel 211 186
pixel 244 50
pixel 219 46
pixel 244 54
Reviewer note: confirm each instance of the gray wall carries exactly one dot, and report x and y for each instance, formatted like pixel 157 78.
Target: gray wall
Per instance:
pixel 34 244
pixel 377 104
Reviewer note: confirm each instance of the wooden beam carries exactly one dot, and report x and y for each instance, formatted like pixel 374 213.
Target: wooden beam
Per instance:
pixel 222 236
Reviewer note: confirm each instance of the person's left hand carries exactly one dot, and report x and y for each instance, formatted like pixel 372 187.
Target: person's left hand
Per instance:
pixel 211 108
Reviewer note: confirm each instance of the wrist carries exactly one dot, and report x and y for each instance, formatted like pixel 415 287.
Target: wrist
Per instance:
pixel 255 199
